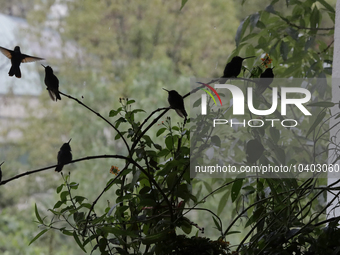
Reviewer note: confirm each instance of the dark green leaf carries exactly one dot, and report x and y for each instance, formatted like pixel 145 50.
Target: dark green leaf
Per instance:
pixel 270 9
pixel 275 134
pixel 317 121
pixel 57 205
pixel 160 131
pixel 131 102
pixel 322 104
pixel 169 143
pixel 63 196
pixel 76 238
pixel 222 203
pixel 218 226
pixel 327 6
pixel 284 50
pixel 235 189
pixel 60 188
pixel 216 140
pixel 183 3
pixel 37 214
pixel 38 235
pixel 241 30
pixel 254 18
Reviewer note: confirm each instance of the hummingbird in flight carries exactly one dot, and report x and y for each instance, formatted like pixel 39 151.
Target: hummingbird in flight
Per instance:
pixel 17 58
pixel 64 156
pixel 52 83
pixel 176 102
pixel 233 68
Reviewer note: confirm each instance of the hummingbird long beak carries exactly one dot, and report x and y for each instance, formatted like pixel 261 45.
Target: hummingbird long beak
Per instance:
pixel 273 67
pixel 70 140
pixel 43 66
pixel 165 89
pixel 2 163
pixel 249 57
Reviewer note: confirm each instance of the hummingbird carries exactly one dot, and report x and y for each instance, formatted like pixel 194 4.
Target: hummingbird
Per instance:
pixel 17 58
pixel 1 171
pixel 176 102
pixel 266 78
pixel 64 156
pixel 52 83
pixel 233 68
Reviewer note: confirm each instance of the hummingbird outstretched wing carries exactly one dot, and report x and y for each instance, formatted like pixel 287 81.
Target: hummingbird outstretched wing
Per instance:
pixel 27 58
pixel 6 52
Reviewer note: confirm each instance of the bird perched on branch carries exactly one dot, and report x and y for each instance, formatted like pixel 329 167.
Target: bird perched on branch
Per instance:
pixel 176 102
pixel 52 83
pixel 233 68
pixel 64 156
pixel 17 58
pixel 266 78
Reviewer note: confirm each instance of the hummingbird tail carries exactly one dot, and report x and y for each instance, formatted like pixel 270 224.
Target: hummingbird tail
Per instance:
pixel 14 71
pixel 57 96
pixel 181 112
pixel 51 95
pixel 59 168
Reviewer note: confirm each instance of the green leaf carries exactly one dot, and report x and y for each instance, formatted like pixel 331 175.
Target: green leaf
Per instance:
pixel 163 152
pixel 222 203
pixel 76 238
pixel 275 134
pixel 63 196
pixel 327 6
pixel 315 18
pixel 74 185
pixel 216 140
pixel 57 205
pixel 183 3
pixel 115 112
pixel 160 131
pixel 322 104
pixel 38 235
pixel 131 102
pixel 60 188
pixel 186 226
pixel 169 143
pixel 37 215
pixel 197 103
pixel 284 50
pixel 241 30
pixel 218 226
pixel 317 121
pixel 235 189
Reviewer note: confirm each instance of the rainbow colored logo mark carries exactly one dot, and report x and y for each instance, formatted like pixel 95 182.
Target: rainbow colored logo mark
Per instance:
pixel 209 93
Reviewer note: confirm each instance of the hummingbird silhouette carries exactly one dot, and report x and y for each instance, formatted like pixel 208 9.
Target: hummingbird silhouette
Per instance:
pixel 233 68
pixel 1 171
pixel 266 78
pixel 176 102
pixel 17 58
pixel 52 83
pixel 64 156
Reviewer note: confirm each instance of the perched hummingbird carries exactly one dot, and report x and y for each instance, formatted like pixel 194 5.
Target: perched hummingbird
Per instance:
pixel 64 156
pixel 1 171
pixel 52 83
pixel 233 68
pixel 266 78
pixel 176 102
pixel 17 58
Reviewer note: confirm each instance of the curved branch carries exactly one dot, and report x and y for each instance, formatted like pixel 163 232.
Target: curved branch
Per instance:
pixel 100 116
